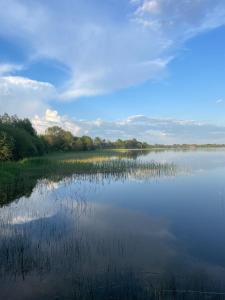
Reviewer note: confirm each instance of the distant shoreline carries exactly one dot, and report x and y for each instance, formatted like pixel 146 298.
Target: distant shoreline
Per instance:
pixel 172 147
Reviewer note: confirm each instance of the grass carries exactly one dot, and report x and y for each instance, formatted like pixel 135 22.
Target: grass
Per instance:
pixel 19 178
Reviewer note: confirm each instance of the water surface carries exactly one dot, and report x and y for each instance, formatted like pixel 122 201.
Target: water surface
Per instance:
pixel 142 235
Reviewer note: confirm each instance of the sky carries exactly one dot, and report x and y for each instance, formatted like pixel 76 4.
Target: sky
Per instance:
pixel 147 69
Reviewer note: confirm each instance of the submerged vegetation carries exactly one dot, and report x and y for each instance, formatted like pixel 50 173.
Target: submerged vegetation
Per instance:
pixel 19 178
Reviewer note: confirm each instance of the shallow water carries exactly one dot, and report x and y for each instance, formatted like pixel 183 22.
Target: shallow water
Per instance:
pixel 142 235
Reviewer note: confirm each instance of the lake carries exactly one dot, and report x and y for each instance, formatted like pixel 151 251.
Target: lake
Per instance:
pixel 145 234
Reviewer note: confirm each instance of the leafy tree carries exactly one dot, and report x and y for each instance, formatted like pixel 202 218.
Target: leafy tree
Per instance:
pixel 68 140
pixel 78 144
pixel 18 123
pixel 18 138
pixel 27 126
pixel 87 143
pixel 59 139
pixel 98 143
pixel 54 131
pixel 6 146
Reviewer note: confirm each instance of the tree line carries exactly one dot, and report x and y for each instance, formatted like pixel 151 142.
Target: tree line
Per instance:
pixel 18 139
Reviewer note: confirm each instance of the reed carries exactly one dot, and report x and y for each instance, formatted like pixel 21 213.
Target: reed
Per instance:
pixel 19 178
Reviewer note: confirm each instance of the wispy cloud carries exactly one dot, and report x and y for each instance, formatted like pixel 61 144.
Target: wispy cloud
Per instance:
pixel 6 68
pixel 107 46
pixel 181 19
pixel 153 130
pixel 219 101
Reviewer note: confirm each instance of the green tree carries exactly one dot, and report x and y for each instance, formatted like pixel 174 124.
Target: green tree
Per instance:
pixel 19 136
pixel 78 144
pixel 87 142
pixel 6 146
pixel 98 143
pixel 59 139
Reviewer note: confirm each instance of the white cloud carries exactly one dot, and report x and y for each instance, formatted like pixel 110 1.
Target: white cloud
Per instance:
pixel 182 19
pixel 108 47
pixel 23 96
pixel 152 6
pixel 52 118
pixel 7 68
pixel 152 130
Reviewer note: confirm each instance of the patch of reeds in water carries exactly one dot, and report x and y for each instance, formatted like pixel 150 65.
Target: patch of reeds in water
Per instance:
pixel 19 178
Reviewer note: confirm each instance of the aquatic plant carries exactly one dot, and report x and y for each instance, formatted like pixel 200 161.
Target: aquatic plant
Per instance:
pixel 19 178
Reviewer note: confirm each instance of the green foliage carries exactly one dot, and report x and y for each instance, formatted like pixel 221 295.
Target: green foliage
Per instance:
pixel 58 139
pixel 18 139
pixel 18 123
pixel 6 146
pixel 87 142
pixel 98 143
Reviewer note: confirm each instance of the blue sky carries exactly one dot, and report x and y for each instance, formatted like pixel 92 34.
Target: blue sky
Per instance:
pixel 151 69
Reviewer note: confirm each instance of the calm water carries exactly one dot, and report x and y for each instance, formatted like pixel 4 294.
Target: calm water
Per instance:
pixel 142 236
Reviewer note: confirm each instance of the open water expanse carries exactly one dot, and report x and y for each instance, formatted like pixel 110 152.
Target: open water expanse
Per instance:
pixel 145 234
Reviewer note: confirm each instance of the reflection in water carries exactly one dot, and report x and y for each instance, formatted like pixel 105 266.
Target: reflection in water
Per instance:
pixel 116 167
pixel 111 237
